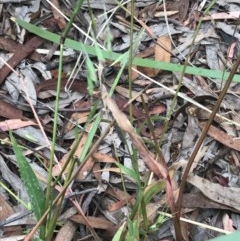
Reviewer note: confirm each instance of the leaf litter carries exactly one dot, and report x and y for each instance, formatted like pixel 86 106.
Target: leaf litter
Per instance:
pixel 213 183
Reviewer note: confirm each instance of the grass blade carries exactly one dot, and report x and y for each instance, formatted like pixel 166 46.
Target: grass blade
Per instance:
pixel 30 181
pixel 91 50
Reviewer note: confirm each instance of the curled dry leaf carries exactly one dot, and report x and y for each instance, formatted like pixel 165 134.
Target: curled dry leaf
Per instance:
pixel 222 15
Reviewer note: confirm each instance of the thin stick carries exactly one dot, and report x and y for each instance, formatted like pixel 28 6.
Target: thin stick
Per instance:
pixel 204 133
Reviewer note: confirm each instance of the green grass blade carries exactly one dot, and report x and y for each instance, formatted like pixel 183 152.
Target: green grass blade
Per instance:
pixel 117 236
pixel 129 172
pixel 31 183
pixel 153 189
pixel 91 75
pixel 91 50
pixel 133 230
pixel 90 137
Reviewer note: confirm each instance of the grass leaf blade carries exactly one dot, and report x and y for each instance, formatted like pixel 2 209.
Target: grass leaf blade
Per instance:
pixel 217 74
pixel 30 181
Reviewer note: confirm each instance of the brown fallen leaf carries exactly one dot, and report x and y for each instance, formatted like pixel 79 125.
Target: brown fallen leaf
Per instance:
pixel 14 124
pixel 100 157
pixel 198 200
pixel 7 211
pixel 163 50
pixel 95 222
pixel 51 84
pixel 120 195
pixel 135 94
pixel 180 6
pixel 225 195
pixel 222 137
pixel 144 54
pixel 136 111
pixel 10 111
pixel 21 53
pixel 11 46
pixel 76 119
pixel 58 17
pixel 162 53
pixel 66 232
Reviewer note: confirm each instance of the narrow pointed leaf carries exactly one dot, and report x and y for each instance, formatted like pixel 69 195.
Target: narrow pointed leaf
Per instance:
pixel 30 181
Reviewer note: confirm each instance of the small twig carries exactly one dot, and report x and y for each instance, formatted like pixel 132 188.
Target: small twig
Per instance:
pixel 202 225
pixel 13 219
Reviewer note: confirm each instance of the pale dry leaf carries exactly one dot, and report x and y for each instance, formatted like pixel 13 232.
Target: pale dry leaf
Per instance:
pixel 35 135
pixel 222 15
pixel 163 49
pixel 156 167
pixel 100 157
pixel 225 195
pixel 14 238
pixel 14 124
pixel 7 210
pixel 125 92
pixel 27 88
pixel 162 14
pixel 95 222
pixel 66 232
pixel 162 52
pixel 77 118
pixel 227 223
pixel 222 136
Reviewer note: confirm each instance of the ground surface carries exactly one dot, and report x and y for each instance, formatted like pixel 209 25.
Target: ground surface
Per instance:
pixel 167 110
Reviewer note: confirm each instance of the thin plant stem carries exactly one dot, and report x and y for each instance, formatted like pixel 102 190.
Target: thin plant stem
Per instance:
pixel 55 123
pixel 204 133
